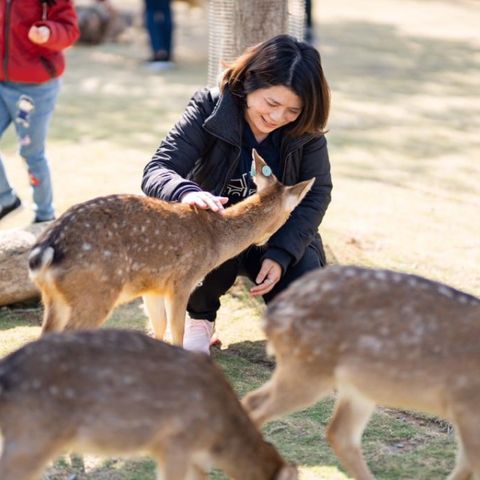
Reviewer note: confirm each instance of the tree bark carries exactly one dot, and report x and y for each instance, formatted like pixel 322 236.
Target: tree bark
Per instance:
pixel 15 246
pixel 234 25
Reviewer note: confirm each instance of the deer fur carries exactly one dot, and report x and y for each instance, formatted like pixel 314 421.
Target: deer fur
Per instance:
pixel 120 392
pixel 113 249
pixel 376 337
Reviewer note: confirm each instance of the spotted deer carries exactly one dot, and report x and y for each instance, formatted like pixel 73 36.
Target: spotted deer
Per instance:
pixel 118 392
pixel 113 249
pixel 376 337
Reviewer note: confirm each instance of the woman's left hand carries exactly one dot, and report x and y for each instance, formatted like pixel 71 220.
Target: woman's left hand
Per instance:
pixel 269 274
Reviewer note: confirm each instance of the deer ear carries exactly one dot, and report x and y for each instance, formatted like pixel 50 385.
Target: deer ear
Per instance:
pixel 287 472
pixel 261 173
pixel 296 193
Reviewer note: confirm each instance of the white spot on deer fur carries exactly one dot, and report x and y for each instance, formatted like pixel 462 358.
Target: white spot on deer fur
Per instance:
pixel 412 281
pixel 350 272
pixel 69 393
pixel 86 247
pixel 397 277
pixel 381 275
pixel 53 390
pixel 445 291
pixel 107 253
pixel 36 384
pixel 371 343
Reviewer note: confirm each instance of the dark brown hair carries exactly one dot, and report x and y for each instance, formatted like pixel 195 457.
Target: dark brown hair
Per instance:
pixel 283 60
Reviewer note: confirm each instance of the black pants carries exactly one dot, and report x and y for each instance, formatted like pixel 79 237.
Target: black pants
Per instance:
pixel 205 299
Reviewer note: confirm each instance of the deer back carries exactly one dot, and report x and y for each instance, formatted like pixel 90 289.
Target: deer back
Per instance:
pixel 115 391
pixel 384 332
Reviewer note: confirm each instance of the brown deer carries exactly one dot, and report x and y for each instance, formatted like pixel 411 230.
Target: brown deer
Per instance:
pixel 112 392
pixel 375 336
pixel 113 249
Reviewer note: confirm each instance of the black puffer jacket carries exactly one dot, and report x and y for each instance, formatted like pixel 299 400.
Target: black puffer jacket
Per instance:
pixel 201 152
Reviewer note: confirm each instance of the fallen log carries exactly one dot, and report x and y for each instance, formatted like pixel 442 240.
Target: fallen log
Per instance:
pixel 15 245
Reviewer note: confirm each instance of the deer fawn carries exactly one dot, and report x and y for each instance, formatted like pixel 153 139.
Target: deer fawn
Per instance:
pixel 122 392
pixel 112 249
pixel 375 336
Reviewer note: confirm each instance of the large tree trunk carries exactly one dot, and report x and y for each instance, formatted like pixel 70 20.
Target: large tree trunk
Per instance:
pixel 15 245
pixel 234 25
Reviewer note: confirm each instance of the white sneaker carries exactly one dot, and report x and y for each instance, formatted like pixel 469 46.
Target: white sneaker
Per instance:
pixel 198 334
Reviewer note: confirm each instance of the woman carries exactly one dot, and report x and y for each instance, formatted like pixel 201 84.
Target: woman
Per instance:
pixel 273 98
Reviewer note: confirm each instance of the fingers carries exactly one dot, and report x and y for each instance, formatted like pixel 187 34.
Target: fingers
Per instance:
pixel 268 276
pixel 262 288
pixel 205 200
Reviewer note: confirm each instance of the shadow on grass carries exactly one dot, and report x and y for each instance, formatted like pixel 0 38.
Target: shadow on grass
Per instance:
pixel 25 314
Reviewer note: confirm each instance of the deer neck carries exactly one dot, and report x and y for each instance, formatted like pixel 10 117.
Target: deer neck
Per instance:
pixel 246 223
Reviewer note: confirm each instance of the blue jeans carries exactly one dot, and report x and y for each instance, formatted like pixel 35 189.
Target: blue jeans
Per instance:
pixel 159 23
pixel 29 107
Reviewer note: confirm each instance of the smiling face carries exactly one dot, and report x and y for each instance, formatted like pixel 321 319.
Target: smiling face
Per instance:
pixel 271 108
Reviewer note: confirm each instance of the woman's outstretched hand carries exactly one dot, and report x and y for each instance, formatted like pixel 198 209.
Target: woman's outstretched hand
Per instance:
pixel 205 200
pixel 269 274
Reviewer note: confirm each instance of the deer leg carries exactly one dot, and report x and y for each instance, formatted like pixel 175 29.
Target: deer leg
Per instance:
pixel 176 307
pixel 290 389
pixel 25 458
pixel 344 432
pixel 196 473
pixel 172 464
pixel 468 434
pixel 91 309
pixel 56 313
pixel 155 308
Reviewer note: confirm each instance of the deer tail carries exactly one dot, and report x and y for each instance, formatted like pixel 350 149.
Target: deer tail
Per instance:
pixel 40 258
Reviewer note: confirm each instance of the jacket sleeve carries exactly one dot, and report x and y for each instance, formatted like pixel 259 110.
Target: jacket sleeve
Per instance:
pixel 165 176
pixel 63 25
pixel 288 244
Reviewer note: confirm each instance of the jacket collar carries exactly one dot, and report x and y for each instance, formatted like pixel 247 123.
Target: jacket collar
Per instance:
pixel 226 120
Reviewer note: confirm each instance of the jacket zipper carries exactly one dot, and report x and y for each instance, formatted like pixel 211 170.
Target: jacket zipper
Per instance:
pixel 235 161
pixel 7 38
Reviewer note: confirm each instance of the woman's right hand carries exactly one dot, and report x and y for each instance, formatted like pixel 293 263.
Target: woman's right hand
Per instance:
pixel 205 200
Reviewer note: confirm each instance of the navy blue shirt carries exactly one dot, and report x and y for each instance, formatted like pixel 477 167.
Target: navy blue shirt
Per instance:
pixel 241 184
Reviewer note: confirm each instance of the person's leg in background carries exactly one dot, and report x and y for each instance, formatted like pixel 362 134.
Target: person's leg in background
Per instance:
pixel 31 107
pixel 204 303
pixel 8 198
pixel 159 25
pixel 308 21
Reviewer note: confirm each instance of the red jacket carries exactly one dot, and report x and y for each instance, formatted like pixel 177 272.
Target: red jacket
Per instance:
pixel 22 60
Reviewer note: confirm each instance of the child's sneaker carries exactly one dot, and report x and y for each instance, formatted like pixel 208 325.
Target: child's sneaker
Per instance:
pixel 198 334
